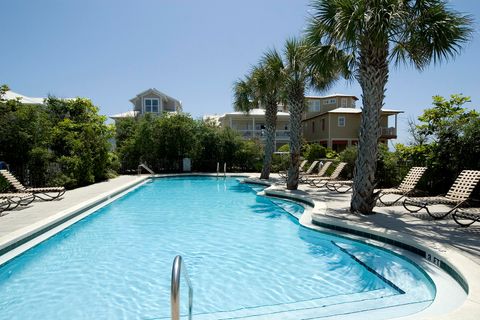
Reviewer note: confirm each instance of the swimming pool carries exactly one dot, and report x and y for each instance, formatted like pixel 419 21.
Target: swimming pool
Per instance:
pixel 246 256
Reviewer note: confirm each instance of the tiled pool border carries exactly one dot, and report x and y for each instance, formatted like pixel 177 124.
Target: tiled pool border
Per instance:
pixel 369 235
pixel 465 275
pixel 422 253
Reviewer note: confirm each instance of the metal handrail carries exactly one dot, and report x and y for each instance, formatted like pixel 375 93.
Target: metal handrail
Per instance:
pixel 175 289
pixel 143 165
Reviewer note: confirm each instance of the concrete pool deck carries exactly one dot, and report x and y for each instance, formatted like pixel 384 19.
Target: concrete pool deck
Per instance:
pixel 460 246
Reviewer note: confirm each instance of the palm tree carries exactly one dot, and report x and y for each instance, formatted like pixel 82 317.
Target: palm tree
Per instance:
pixel 373 33
pixel 303 70
pixel 268 84
pixel 262 87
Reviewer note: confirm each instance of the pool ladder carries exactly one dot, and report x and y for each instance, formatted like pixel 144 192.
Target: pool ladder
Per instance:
pixel 224 169
pixel 175 288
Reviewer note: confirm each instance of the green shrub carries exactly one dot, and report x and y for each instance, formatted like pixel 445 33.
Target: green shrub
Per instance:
pixel 314 152
pixel 249 156
pixel 280 162
pixel 349 155
pixel 331 154
pixel 4 185
pixel 162 142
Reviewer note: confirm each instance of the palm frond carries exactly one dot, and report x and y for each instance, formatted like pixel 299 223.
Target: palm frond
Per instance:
pixel 433 32
pixel 243 94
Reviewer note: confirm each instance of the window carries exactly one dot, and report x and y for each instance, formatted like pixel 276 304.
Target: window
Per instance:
pixel 314 105
pixel 330 101
pixel 344 102
pixel 313 126
pixel 323 124
pixel 151 105
pixel 341 121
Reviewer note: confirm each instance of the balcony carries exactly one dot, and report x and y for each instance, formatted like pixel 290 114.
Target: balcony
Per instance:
pixel 388 133
pixel 279 134
pixel 282 134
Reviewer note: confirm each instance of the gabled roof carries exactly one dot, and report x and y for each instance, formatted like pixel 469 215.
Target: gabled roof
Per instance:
pixel 344 110
pixel 157 92
pixel 10 95
pixel 128 114
pixel 332 96
pixel 352 111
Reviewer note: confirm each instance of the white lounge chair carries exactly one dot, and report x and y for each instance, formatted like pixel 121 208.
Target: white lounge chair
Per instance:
pixel 323 181
pixel 458 194
pixel 47 194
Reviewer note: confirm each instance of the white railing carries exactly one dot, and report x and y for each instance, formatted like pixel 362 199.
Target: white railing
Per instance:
pixel 279 134
pixel 282 134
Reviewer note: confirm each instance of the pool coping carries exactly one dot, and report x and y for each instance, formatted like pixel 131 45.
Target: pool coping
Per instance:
pixel 464 271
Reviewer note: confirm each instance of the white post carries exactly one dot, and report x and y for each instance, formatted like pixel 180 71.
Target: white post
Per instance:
pixel 225 170
pixel 253 132
pixel 395 124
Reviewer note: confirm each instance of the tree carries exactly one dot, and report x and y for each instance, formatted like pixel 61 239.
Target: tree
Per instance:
pixel 373 33
pixel 263 87
pixel 25 134
pixel 450 131
pixel 303 69
pixel 59 142
pixel 163 141
pixel 79 141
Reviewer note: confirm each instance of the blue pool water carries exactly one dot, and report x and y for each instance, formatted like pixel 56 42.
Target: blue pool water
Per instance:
pixel 245 254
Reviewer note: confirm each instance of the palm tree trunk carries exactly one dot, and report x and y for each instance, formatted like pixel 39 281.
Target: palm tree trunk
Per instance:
pixel 270 127
pixel 296 105
pixel 373 76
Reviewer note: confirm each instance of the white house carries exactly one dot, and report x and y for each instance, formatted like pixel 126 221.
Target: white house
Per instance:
pixel 252 124
pixel 150 101
pixel 10 95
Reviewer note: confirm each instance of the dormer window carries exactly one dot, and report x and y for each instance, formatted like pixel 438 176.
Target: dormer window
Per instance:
pixel 151 105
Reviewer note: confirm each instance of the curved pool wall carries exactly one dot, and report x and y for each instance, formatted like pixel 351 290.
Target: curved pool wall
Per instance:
pixel 268 264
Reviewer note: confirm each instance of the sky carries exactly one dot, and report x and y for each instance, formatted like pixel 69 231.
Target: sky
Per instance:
pixel 111 50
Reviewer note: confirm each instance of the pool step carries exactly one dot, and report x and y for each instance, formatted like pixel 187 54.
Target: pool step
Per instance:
pixel 380 304
pixel 290 207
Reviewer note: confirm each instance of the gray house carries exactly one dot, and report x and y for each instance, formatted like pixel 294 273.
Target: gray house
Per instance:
pixel 151 101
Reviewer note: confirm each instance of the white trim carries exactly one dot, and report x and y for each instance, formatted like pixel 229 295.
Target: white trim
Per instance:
pixel 152 99
pixel 329 140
